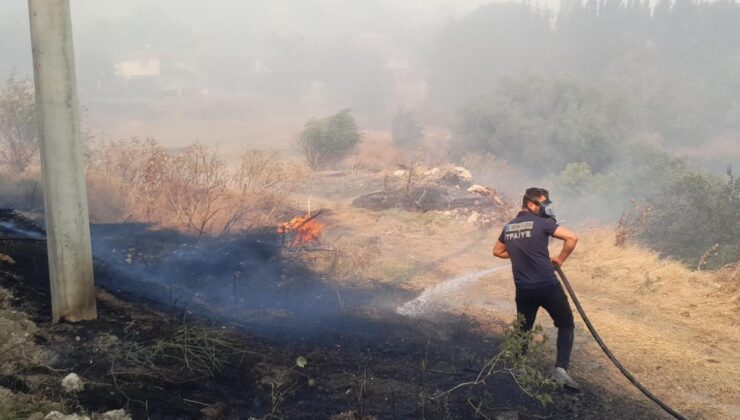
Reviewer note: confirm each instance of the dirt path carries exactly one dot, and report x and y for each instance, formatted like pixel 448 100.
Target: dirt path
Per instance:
pixel 675 329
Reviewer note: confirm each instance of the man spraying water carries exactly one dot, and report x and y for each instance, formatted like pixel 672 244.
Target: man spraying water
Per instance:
pixel 524 240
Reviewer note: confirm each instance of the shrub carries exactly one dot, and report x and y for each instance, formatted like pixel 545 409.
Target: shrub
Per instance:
pixel 328 140
pixel 191 189
pixel 260 189
pixel 541 125
pixel 678 211
pixel 696 218
pixel 406 130
pixel 575 177
pixel 19 135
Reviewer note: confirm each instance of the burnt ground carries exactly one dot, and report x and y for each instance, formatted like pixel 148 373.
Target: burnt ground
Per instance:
pixel 248 311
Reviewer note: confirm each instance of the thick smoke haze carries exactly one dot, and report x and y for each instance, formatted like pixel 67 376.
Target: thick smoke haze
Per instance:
pixel 597 100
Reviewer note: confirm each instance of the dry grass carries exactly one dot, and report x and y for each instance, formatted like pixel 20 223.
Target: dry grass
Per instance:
pixel 676 329
pixel 18 351
pixel 192 189
pixel 22 406
pixel 17 339
pixel 188 353
pixel 673 327
pixel 376 152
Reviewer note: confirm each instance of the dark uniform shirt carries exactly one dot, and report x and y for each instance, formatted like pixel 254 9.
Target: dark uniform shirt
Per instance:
pixel 526 238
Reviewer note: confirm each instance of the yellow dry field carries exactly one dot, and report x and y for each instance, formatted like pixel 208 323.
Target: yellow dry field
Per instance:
pixel 676 329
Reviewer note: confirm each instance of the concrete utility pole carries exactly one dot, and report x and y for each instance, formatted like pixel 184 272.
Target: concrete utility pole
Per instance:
pixel 65 193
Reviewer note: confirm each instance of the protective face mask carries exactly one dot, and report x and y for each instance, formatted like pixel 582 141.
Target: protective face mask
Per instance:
pixel 547 209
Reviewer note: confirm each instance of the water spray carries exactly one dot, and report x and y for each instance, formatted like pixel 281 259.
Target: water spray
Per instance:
pixel 419 305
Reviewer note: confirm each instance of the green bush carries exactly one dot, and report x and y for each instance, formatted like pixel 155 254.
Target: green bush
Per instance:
pixel 328 140
pixel 691 211
pixel 542 125
pixel 693 214
pixel 406 130
pixel 575 177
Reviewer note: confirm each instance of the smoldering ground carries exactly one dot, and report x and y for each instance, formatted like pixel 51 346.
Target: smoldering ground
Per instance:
pixel 358 355
pixel 245 279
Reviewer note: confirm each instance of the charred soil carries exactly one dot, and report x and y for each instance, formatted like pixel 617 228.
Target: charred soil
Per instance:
pixel 181 335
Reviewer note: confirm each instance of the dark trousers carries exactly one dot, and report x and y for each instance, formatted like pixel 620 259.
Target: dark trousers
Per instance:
pixel 555 302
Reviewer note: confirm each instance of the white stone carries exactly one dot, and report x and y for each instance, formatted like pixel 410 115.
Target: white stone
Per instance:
pixel 55 415
pixel 72 383
pixel 474 217
pixel 115 415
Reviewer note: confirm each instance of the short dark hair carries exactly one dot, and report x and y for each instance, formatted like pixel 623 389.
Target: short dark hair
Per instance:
pixel 533 195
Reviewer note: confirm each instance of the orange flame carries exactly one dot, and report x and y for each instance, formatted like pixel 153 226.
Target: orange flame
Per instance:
pixel 306 230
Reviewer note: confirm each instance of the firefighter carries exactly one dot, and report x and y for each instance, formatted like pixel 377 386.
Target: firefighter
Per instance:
pixel 525 240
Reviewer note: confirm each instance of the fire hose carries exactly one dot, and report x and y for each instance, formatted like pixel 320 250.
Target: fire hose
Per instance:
pixel 608 352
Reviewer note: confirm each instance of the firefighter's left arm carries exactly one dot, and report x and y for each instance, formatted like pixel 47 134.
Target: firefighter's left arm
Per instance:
pixel 499 250
pixel 569 244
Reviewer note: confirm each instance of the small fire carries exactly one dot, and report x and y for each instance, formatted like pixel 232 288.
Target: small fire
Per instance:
pixel 305 228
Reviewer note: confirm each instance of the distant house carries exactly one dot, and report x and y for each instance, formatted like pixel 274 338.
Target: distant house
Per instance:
pixel 160 73
pixel 140 65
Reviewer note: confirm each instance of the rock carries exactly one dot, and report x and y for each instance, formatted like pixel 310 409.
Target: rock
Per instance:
pixel 463 173
pixel 486 192
pixel 434 172
pixel 457 175
pixel 474 217
pixel 215 412
pixel 72 383
pixel 6 258
pixel 399 173
pixel 114 415
pixel 507 415
pixel 55 415
pixel 352 415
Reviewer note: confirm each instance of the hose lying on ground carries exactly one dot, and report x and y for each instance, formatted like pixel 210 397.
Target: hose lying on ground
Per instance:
pixel 608 352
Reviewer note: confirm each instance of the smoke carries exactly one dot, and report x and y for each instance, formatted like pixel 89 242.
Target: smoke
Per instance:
pixel 596 102
pixel 242 280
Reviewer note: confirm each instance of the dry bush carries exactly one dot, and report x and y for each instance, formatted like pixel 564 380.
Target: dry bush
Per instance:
pixel 192 189
pixel 124 178
pixel 261 186
pixel 19 135
pixel 728 279
pixel 633 219
pixel 195 187
pixel 376 153
pixel 21 190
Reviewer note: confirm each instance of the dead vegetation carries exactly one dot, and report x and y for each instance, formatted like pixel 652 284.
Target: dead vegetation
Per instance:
pixel 22 406
pixel 631 222
pixel 19 137
pixel 448 189
pixel 17 335
pixel 192 189
pixel 519 355
pixel 188 353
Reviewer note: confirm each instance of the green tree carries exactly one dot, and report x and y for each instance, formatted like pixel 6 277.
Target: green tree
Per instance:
pixel 542 125
pixel 330 139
